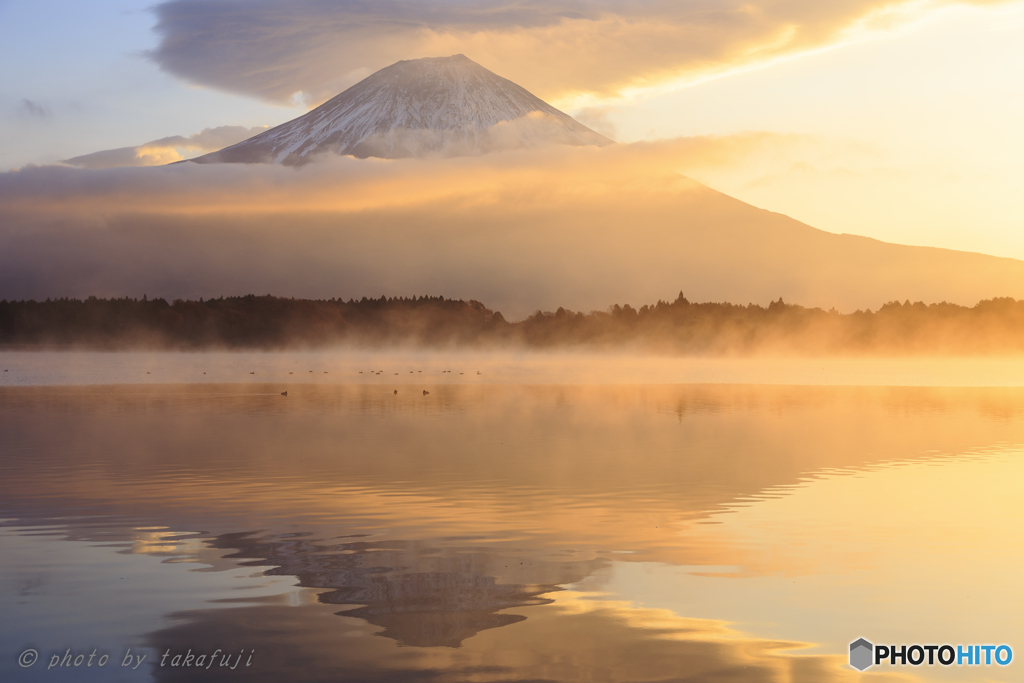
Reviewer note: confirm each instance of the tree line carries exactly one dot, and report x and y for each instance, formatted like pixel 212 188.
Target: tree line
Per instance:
pixel 994 326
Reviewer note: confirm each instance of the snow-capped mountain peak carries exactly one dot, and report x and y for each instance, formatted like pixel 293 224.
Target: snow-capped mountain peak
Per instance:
pixel 440 106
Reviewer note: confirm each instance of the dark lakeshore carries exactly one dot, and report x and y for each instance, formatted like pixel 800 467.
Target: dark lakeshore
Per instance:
pixel 994 326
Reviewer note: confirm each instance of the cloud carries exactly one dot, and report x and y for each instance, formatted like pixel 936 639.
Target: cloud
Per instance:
pixel 33 110
pixel 166 150
pixel 580 227
pixel 598 119
pixel 567 51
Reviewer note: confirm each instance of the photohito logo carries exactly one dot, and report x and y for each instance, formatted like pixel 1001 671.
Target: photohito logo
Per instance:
pixel 863 655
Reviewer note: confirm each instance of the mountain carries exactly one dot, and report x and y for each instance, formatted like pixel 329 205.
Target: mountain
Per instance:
pixel 442 106
pixel 551 237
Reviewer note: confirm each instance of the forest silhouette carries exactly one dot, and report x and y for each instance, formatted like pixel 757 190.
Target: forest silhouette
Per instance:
pixel 994 326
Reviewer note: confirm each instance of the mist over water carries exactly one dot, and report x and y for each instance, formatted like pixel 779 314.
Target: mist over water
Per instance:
pixel 279 370
pixel 504 530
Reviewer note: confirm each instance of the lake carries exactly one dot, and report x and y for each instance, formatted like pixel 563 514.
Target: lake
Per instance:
pixel 560 518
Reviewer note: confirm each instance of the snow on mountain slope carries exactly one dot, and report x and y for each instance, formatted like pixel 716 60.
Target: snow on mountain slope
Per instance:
pixel 442 106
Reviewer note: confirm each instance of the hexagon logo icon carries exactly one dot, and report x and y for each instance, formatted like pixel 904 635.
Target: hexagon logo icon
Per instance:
pixel 861 654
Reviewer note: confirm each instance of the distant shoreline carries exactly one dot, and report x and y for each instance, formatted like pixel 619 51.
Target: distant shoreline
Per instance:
pixel 680 327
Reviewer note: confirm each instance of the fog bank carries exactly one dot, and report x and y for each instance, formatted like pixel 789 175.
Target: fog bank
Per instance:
pixel 573 227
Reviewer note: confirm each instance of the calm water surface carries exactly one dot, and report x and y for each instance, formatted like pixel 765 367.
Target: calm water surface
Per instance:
pixel 504 531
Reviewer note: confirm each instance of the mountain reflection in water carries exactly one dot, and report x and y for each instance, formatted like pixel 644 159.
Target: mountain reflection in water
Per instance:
pixel 418 595
pixel 508 532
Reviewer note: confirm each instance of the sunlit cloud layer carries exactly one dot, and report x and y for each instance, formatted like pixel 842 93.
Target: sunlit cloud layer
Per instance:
pixel 576 227
pixel 166 150
pixel 570 52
